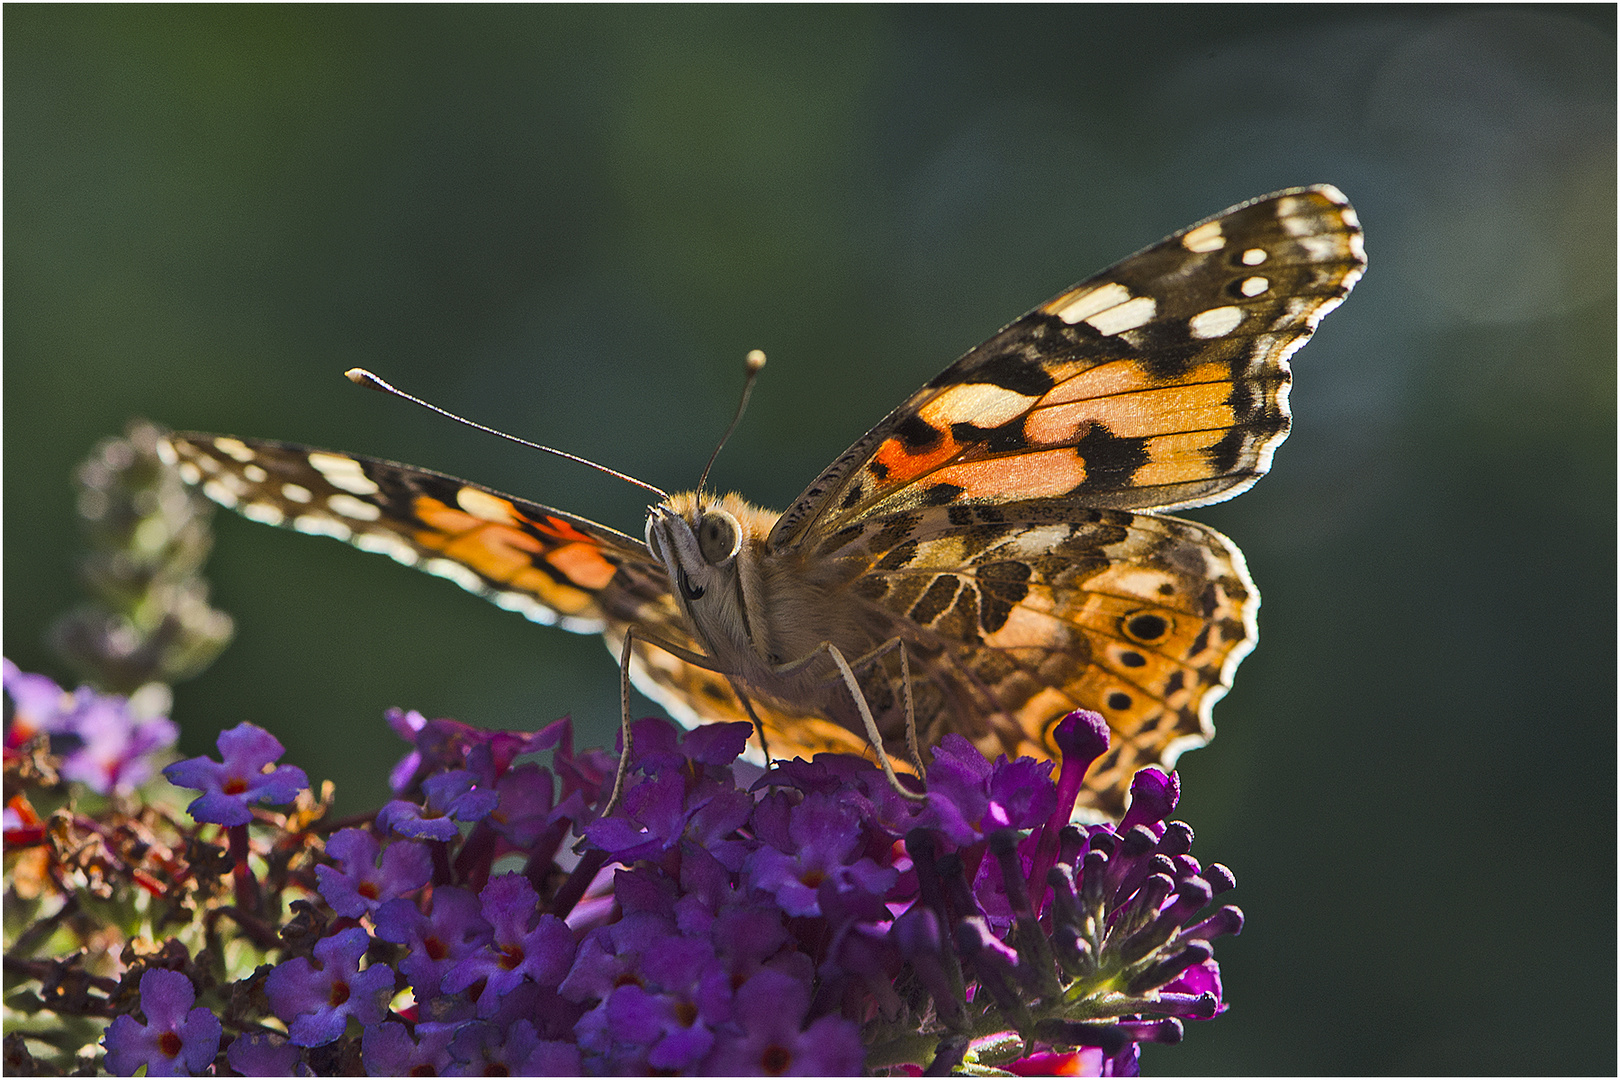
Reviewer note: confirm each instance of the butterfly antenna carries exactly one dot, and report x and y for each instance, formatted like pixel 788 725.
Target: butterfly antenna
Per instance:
pixel 752 365
pixel 362 377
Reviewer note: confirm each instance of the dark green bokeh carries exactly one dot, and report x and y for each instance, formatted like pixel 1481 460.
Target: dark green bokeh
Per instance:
pixel 573 223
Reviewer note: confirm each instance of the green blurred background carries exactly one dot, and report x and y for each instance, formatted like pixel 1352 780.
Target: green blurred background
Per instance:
pixel 573 222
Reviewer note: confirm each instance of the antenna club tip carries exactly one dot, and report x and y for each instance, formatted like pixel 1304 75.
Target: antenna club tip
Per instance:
pixel 361 377
pixel 754 360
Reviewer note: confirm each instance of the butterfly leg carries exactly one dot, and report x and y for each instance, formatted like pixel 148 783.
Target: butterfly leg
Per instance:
pixel 911 713
pixel 759 725
pixel 630 636
pixel 873 657
pixel 873 736
pixel 624 723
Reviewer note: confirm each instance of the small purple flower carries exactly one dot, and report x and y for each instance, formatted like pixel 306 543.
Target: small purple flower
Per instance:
pixel 969 797
pixel 769 1010
pixel 316 998
pixel 481 1048
pixel 523 810
pixel 588 772
pixel 521 946
pixel 360 886
pixel 438 941
pixel 439 745
pixel 661 1012
pixel 461 794
pixel 653 819
pixel 240 778
pixel 176 1039
pixel 262 1053
pixel 819 841
pixel 690 795
pixel 451 797
pixel 389 1050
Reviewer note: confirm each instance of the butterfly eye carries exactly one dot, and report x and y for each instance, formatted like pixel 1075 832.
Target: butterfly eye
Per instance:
pixel 652 541
pixel 719 537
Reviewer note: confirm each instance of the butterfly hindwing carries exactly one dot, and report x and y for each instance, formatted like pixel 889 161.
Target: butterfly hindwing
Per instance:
pixel 1021 613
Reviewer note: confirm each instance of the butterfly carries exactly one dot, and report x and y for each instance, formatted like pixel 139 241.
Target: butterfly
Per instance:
pixel 992 555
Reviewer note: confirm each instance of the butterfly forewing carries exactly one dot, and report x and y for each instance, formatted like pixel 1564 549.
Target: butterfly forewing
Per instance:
pixel 550 566
pixel 1161 382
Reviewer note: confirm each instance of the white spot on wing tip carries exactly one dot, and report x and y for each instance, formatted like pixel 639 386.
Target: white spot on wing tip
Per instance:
pixel 454 571
pixel 388 544
pixel 1254 257
pixel 1254 286
pixel 1321 247
pixel 1138 311
pixel 233 448
pixel 1216 322
pixel 255 474
pixel 166 453
pixel 189 472
pixel 482 505
pixel 297 493
pixel 525 605
pixel 354 509
pixel 321 525
pixel 343 473
pixel 1071 309
pixel 263 512
pixel 220 493
pixel 1205 238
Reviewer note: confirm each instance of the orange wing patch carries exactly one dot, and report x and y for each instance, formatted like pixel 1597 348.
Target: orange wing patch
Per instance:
pixel 924 448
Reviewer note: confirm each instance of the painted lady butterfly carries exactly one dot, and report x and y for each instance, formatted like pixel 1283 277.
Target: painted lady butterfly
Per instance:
pixel 1001 526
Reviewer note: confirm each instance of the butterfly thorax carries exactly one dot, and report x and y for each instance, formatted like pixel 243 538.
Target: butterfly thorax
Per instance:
pixel 754 609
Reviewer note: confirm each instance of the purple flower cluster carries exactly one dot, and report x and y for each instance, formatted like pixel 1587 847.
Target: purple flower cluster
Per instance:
pixel 103 742
pixel 817 923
